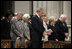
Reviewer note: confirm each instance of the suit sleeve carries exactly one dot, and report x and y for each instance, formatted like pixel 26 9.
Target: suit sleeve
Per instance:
pixel 66 28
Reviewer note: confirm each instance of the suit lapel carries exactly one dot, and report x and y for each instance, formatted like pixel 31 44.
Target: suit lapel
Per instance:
pixel 39 19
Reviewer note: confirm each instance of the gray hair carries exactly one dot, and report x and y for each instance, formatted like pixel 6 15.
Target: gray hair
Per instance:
pixel 63 15
pixel 25 16
pixel 39 9
pixel 20 14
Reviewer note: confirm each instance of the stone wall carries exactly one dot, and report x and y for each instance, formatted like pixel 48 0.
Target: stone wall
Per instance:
pixel 54 8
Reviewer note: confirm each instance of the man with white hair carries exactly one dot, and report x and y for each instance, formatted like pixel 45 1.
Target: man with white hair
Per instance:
pixel 17 29
pixel 62 27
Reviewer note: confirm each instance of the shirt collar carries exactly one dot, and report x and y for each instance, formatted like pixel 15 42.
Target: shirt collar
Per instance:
pixel 37 15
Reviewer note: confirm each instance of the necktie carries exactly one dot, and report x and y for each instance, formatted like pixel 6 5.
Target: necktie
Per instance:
pixel 41 19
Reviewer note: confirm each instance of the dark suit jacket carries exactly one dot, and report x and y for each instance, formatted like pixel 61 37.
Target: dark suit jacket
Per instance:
pixel 37 28
pixel 5 29
pixel 54 34
pixel 62 29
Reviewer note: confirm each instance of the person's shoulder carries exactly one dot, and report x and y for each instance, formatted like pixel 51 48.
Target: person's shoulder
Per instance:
pixel 4 20
pixel 58 21
pixel 65 23
pixel 34 16
pixel 49 26
pixel 14 19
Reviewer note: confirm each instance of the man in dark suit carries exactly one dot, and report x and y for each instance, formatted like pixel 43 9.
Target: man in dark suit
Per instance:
pixel 62 28
pixel 6 26
pixel 37 29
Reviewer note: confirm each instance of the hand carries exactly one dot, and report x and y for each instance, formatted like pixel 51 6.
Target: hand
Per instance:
pixel 43 35
pixel 2 18
pixel 28 38
pixel 56 39
pixel 49 33
pixel 21 35
pixel 49 30
pixel 66 34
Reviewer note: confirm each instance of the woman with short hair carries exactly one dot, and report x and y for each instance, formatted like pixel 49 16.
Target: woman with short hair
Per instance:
pixel 51 26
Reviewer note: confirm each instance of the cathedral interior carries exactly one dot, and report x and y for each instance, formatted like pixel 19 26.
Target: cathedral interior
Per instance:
pixel 51 8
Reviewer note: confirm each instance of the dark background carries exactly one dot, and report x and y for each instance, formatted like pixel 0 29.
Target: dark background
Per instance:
pixel 5 6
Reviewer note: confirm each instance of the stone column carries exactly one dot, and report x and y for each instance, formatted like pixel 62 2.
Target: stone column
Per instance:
pixel 44 6
pixel 23 6
pixel 67 10
pixel 37 4
pixel 53 8
pixel 60 8
pixel 34 6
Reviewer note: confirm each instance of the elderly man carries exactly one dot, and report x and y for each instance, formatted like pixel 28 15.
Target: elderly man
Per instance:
pixel 17 29
pixel 38 29
pixel 62 27
pixel 6 25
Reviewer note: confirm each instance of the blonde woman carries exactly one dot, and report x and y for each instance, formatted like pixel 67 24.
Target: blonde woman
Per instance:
pixel 51 26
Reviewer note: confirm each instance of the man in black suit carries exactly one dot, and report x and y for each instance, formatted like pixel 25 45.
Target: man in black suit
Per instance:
pixel 6 26
pixel 37 29
pixel 62 28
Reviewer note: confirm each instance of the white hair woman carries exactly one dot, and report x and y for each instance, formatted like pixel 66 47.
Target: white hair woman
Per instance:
pixel 26 19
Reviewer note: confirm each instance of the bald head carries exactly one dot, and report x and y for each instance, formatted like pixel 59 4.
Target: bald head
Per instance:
pixel 63 17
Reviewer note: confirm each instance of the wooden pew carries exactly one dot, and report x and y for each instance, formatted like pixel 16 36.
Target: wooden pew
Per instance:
pixel 5 43
pixel 57 44
pixel 22 44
